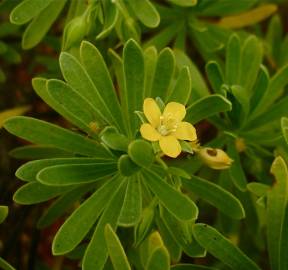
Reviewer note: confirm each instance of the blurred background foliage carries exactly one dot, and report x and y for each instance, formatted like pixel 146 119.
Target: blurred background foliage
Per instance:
pixel 200 34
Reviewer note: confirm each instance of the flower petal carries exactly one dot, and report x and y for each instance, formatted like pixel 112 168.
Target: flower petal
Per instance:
pixel 149 133
pixel 152 112
pixel 170 146
pixel 185 131
pixel 175 110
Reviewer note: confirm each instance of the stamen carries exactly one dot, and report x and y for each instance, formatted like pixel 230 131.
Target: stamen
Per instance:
pixel 167 125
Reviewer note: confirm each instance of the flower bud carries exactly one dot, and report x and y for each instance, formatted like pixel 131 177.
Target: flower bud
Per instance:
pixel 74 31
pixel 216 159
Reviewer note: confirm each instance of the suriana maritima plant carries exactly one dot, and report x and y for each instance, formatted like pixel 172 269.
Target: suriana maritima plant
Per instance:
pixel 125 174
pixel 173 150
pixel 117 166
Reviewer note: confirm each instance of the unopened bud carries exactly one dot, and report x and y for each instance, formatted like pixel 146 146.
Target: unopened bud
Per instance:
pixel 75 31
pixel 216 159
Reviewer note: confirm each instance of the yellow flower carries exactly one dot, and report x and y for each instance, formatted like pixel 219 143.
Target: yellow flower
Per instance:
pixel 216 159
pixel 167 128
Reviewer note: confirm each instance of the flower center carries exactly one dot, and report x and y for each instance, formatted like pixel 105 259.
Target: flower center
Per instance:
pixel 168 124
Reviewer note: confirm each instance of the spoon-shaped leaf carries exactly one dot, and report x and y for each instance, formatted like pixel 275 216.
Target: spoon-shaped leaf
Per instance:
pixel 221 248
pixel 132 206
pixel 177 203
pixel 133 92
pixel 29 170
pixel 277 201
pixel 40 132
pixel 75 174
pixel 145 12
pixel 226 202
pixel 26 10
pixel 115 250
pixel 35 192
pixel 207 106
pixel 82 219
pixel 97 244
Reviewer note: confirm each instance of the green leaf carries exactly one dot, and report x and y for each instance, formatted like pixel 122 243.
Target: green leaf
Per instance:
pixel 172 246
pixel 283 243
pixel 177 203
pixel 143 227
pixel 126 166
pixel 141 152
pixel 34 192
pixel 215 76
pixel 182 234
pixel 97 244
pixel 258 189
pixel 236 171
pixel 128 28
pixel 153 253
pixel 111 15
pixel 40 25
pixel 251 217
pixel 5 265
pixel 180 40
pixel 60 206
pixel 199 87
pixel 284 127
pixel 164 37
pixel 275 89
pixel 38 152
pixel 78 107
pixel 27 10
pixel 178 172
pixel 114 140
pixel 251 58
pixel 3 213
pixel 221 248
pixel 260 88
pixel 115 250
pixel 132 206
pixel 145 12
pixel 75 174
pixel 224 7
pixel 207 106
pixel 182 89
pixel 40 132
pixel 82 219
pixel 29 170
pixel 277 201
pixel 223 200
pixel 58 89
pixel 117 65
pixel 97 70
pixel 243 100
pixel 132 98
pixel 273 39
pixel 184 3
pixel 233 60
pixel 150 61
pixel 163 74
pixel 79 79
pixel 191 267
pixel 159 259
pixel 277 111
pixel 208 38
